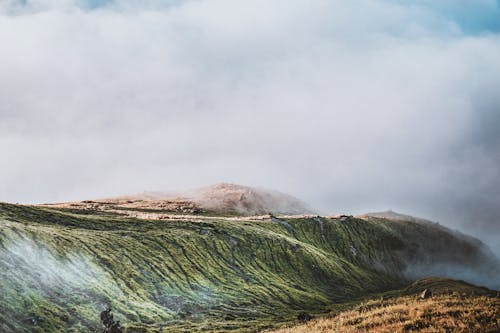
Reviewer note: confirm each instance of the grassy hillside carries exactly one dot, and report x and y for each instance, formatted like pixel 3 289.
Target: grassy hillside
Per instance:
pixel 454 306
pixel 59 269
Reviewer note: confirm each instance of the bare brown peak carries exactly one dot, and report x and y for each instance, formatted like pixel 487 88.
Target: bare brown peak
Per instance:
pixel 247 200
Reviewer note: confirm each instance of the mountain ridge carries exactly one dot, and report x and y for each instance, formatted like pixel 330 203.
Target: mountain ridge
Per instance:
pixel 204 274
pixel 170 265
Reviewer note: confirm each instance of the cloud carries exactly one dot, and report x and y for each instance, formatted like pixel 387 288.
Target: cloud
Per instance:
pixel 353 106
pixel 27 259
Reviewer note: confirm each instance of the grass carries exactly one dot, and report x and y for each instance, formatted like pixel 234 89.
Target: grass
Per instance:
pixel 60 268
pixel 454 306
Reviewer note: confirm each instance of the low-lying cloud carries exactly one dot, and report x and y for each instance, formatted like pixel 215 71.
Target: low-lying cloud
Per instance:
pixel 353 106
pixel 24 261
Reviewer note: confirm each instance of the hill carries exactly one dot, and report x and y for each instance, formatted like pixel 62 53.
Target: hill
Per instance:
pixel 454 306
pixel 244 200
pixel 60 266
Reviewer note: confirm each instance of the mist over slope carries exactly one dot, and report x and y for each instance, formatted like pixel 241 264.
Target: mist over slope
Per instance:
pixel 424 258
pixel 177 267
pixel 392 215
pixel 219 199
pixel 248 200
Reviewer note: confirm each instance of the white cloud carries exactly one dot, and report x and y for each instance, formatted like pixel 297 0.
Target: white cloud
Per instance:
pixel 352 105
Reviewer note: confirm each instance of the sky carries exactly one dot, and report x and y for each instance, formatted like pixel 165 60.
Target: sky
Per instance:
pixel 353 106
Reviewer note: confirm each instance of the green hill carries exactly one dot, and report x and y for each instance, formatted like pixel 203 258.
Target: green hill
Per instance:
pixel 59 268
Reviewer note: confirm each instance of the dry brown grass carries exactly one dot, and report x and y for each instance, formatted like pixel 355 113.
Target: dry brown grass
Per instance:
pixel 442 313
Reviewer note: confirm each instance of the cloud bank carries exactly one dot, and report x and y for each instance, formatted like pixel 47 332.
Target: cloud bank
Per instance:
pixel 353 106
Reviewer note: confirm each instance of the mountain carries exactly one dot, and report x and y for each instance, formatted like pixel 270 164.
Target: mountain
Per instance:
pixel 175 265
pixel 246 200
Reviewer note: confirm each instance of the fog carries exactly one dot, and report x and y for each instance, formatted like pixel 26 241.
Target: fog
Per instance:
pixel 481 274
pixel 32 271
pixel 352 106
pixel 50 272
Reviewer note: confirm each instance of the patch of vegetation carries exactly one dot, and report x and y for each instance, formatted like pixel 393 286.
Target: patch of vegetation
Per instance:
pixel 455 306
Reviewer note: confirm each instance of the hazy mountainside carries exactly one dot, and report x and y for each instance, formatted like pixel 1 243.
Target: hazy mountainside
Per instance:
pixel 60 266
pixel 392 215
pixel 247 200
pixel 220 199
pixel 428 256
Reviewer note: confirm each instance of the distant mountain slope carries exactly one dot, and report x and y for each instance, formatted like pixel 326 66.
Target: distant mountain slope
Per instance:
pixel 427 255
pixel 392 215
pixel 247 200
pixel 59 267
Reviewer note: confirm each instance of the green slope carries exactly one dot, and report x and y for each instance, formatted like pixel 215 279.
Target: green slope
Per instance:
pixel 59 269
